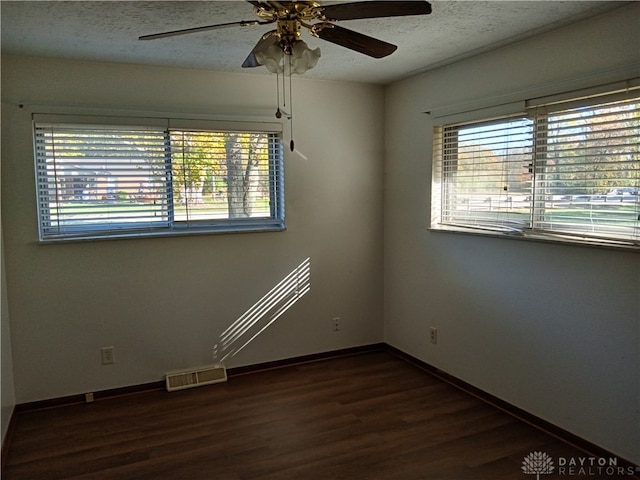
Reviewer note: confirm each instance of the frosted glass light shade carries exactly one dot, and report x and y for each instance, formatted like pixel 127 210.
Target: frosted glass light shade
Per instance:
pixel 302 58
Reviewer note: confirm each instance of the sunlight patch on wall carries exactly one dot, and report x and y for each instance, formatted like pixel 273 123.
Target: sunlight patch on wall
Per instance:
pixel 264 312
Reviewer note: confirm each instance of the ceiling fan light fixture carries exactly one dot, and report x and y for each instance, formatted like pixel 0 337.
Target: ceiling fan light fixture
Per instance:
pixel 270 55
pixel 303 58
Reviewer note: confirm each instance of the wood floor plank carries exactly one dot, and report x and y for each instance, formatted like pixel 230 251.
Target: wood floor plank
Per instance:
pixel 369 416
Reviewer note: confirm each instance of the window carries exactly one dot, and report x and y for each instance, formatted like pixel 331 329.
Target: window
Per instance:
pixel 566 171
pixel 100 180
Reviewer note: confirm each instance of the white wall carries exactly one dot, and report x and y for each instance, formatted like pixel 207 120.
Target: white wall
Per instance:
pixel 163 302
pixel 7 389
pixel 551 329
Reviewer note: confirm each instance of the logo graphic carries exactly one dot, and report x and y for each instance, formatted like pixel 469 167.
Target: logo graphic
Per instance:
pixel 537 463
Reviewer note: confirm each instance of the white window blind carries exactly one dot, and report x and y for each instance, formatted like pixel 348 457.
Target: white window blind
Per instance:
pixel 588 171
pixel 483 176
pixel 224 175
pixel 568 170
pixel 112 181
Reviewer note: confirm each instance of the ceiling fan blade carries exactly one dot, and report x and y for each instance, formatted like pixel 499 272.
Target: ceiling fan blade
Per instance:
pixel 353 40
pixel 241 23
pixel 356 10
pixel 251 61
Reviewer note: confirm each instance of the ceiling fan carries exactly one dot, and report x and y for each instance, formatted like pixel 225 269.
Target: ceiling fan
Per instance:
pixel 285 40
pixel 290 17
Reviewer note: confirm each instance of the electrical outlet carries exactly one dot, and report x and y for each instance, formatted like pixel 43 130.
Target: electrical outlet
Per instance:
pixel 336 324
pixel 433 332
pixel 107 355
pixel 88 397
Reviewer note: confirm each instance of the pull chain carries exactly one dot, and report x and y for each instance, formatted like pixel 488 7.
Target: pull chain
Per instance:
pixel 284 97
pixel 291 143
pixel 284 74
pixel 278 112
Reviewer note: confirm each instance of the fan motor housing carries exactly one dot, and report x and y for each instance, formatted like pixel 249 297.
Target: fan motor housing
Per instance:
pixel 303 10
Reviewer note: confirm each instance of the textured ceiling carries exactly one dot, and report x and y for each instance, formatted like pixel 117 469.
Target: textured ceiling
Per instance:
pixel 109 31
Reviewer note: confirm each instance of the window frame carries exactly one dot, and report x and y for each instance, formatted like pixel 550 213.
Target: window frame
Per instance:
pixel 536 110
pixel 172 226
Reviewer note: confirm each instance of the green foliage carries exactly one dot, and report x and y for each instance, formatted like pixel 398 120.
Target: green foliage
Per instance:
pixel 220 165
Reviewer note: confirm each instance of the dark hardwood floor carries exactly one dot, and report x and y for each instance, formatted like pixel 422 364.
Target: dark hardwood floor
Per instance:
pixel 363 417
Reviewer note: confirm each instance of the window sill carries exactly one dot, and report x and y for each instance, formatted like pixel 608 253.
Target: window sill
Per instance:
pixel 276 227
pixel 541 238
